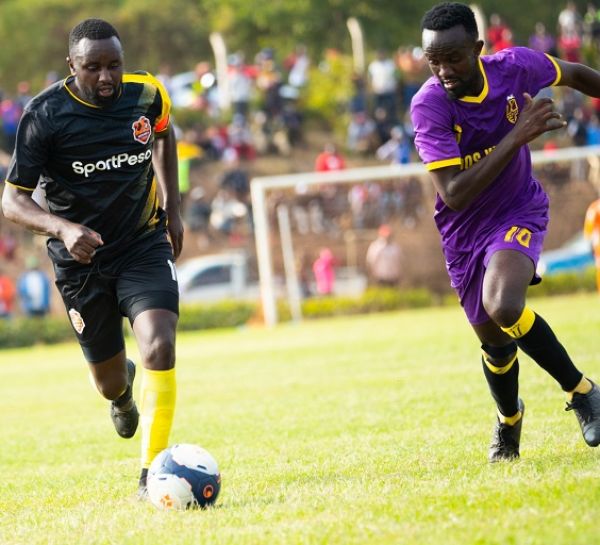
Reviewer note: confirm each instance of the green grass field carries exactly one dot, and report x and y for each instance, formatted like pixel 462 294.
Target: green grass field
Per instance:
pixel 359 430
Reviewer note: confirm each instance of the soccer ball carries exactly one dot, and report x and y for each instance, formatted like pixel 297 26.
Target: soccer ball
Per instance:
pixel 183 476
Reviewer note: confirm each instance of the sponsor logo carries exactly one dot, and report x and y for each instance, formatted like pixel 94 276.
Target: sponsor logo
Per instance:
pixel 116 161
pixel 469 160
pixel 77 321
pixel 142 130
pixel 512 109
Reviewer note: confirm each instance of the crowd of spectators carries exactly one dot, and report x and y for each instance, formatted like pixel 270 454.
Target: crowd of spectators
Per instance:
pixel 266 93
pixel 29 295
pixel 267 117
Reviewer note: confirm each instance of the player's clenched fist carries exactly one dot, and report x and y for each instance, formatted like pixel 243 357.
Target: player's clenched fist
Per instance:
pixel 81 242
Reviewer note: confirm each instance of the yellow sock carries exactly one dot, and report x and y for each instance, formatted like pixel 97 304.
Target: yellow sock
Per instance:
pixel 583 387
pixel 158 394
pixel 510 420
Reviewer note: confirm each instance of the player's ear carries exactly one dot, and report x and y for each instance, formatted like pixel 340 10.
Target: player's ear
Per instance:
pixel 71 67
pixel 478 47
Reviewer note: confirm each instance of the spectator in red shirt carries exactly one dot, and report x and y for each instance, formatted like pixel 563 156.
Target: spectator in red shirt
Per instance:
pixel 496 33
pixel 7 296
pixel 569 46
pixel 505 41
pixel 329 159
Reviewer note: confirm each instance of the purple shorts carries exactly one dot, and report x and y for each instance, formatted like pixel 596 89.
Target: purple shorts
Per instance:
pixel 467 268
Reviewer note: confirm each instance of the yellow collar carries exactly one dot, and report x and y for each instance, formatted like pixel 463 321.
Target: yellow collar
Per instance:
pixel 484 92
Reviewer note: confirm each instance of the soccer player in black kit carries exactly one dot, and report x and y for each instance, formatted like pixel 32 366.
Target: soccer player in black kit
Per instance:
pixel 99 143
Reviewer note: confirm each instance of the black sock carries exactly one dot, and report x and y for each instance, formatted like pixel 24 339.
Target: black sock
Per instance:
pixel 504 384
pixel 124 399
pixel 540 344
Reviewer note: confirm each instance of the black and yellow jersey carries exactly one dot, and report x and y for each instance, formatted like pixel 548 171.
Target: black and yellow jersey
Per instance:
pixel 95 163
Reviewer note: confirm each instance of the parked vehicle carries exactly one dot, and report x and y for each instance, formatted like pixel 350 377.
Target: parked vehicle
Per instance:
pixel 218 277
pixel 574 256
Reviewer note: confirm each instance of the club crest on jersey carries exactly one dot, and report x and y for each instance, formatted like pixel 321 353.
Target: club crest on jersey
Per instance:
pixel 457 130
pixel 512 109
pixel 142 130
pixel 77 321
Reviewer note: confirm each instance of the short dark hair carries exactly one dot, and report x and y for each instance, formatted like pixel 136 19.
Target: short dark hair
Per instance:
pixel 448 15
pixel 93 29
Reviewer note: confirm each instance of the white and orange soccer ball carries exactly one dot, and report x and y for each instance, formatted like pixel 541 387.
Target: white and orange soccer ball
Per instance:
pixel 183 476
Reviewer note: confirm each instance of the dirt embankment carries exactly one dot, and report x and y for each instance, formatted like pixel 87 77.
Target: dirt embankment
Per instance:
pixel 424 264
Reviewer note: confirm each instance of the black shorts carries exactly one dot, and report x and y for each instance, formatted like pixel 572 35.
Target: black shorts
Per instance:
pixel 98 296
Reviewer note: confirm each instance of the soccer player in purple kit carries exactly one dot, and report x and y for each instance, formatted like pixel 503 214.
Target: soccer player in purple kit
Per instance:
pixel 473 120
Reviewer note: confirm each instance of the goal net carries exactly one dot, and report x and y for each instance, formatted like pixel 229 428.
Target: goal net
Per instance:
pixel 294 211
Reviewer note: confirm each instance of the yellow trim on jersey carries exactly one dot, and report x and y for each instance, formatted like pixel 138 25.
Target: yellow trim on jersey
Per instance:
pixel 149 215
pixel 443 163
pixel 166 101
pixel 558 70
pixel 81 101
pixel 20 186
pixel 75 97
pixel 484 92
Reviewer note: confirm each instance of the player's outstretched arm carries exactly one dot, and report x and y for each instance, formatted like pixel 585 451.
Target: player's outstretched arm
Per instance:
pixel 579 77
pixel 164 161
pixel 18 206
pixel 459 188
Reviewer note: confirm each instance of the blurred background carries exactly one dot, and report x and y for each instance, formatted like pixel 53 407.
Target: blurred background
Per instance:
pixel 271 88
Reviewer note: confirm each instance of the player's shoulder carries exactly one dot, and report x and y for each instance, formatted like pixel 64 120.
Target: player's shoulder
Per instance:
pixel 46 108
pixel 432 88
pixel 431 92
pixel 517 56
pixel 48 98
pixel 138 76
pixel 143 78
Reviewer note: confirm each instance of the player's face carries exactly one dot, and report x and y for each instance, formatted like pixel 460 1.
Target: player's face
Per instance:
pixel 453 58
pixel 98 69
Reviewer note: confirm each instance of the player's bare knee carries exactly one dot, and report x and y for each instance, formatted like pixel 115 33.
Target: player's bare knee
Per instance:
pixel 508 315
pixel 159 353
pixel 504 313
pixel 111 388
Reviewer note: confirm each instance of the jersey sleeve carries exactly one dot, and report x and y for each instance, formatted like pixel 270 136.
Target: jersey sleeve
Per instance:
pixel 436 136
pixel 31 152
pixel 161 123
pixel 541 69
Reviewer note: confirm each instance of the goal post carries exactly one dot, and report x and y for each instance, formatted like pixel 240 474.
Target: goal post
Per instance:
pixel 261 186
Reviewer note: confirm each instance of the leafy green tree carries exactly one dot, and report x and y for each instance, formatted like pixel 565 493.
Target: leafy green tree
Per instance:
pixel 176 32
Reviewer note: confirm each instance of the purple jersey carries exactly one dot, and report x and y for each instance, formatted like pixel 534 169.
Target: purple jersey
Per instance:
pixel 461 132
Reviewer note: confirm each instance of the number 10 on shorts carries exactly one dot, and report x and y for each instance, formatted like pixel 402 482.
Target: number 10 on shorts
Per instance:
pixel 520 234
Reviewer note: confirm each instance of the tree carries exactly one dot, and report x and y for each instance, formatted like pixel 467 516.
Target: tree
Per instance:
pixel 176 31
